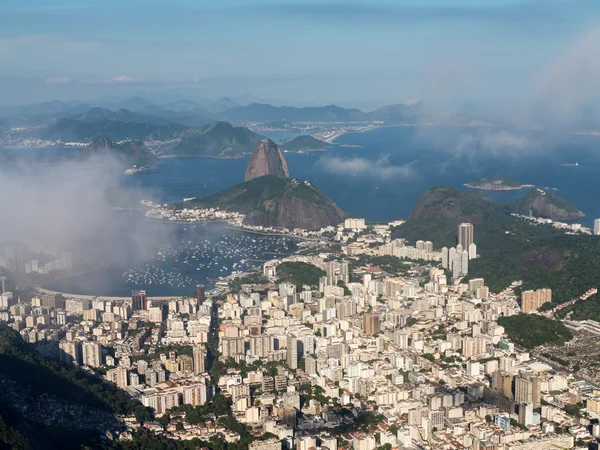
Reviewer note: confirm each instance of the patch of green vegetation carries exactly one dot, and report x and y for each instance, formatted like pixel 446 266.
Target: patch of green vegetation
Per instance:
pixel 254 278
pixel 510 248
pixel 304 143
pixel 389 264
pixel 495 183
pixel 530 330
pixel 583 309
pixel 300 273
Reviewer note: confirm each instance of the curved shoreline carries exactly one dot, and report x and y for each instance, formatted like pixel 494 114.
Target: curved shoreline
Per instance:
pixel 502 188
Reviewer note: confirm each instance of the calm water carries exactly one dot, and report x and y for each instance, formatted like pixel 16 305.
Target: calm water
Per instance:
pixel 382 180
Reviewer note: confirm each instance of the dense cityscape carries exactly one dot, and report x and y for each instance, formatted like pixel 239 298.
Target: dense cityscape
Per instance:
pixel 364 342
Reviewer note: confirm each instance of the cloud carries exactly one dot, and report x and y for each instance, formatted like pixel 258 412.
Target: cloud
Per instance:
pixel 490 142
pixel 119 79
pixel 571 82
pixel 67 206
pixel 380 168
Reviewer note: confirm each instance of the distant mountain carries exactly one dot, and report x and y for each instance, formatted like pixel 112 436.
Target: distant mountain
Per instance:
pixel 413 113
pixel 543 203
pixel 71 130
pixel 133 104
pixel 121 115
pixel 263 112
pixel 220 140
pixel 182 105
pixel 222 105
pixel 128 153
pixel 400 113
pixel 266 159
pixel 304 144
pixel 269 198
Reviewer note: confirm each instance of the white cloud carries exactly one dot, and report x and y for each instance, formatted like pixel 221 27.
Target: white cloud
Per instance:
pixel 493 143
pixel 571 81
pixel 119 79
pixel 381 168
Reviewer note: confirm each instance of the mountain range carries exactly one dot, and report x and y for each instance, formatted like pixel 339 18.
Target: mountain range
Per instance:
pixel 187 127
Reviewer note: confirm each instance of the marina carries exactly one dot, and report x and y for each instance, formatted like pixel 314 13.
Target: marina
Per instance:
pixel 202 254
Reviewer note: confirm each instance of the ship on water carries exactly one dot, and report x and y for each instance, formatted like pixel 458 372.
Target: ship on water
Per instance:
pixel 575 164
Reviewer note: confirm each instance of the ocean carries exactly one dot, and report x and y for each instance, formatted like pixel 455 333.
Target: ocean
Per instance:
pixel 381 176
pixel 383 179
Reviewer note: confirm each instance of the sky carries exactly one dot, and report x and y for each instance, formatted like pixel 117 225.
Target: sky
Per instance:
pixel 457 54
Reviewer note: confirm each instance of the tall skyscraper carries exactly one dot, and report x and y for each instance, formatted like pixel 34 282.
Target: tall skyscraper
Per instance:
pixel 138 300
pixel 199 356
pixel 465 235
pixel 371 324
pixel 597 227
pixel 527 389
pixel 457 265
pixel 472 251
pixel 292 351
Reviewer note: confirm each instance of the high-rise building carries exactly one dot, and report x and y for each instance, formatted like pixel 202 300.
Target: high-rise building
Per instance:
pixel 138 300
pixel 464 264
pixel 371 323
pixel 526 413
pixel 532 300
pixel 199 355
pixel 92 354
pixel 465 235
pixel 200 293
pixel 597 227
pixel 445 257
pixel 472 251
pixel 456 265
pixel 118 376
pixel 527 389
pixel 292 351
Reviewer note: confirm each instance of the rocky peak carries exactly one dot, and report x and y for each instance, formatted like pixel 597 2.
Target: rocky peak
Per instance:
pixel 100 143
pixel 266 159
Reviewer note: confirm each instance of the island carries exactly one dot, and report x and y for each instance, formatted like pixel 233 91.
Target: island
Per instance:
pixel 497 184
pixel 302 144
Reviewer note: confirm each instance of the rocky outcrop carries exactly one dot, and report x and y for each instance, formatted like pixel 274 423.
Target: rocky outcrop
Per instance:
pixel 270 201
pixel 266 159
pixel 543 203
pixel 300 206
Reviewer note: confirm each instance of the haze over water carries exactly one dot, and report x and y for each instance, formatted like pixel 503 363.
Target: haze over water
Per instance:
pixel 381 181
pixel 384 178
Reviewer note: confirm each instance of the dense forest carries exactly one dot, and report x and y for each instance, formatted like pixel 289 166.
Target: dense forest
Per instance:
pixel 531 330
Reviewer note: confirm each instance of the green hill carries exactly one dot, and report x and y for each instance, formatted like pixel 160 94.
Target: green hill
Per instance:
pixel 304 144
pixel 51 392
pixel 219 139
pixel 270 201
pixel 510 248
pixel 544 203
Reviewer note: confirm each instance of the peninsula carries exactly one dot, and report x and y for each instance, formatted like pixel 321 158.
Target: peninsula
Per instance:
pixel 497 184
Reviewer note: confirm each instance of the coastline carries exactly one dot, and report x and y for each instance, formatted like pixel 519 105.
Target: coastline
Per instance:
pixel 502 188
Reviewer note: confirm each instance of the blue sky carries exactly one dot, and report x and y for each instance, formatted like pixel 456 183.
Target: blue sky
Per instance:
pixel 363 53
